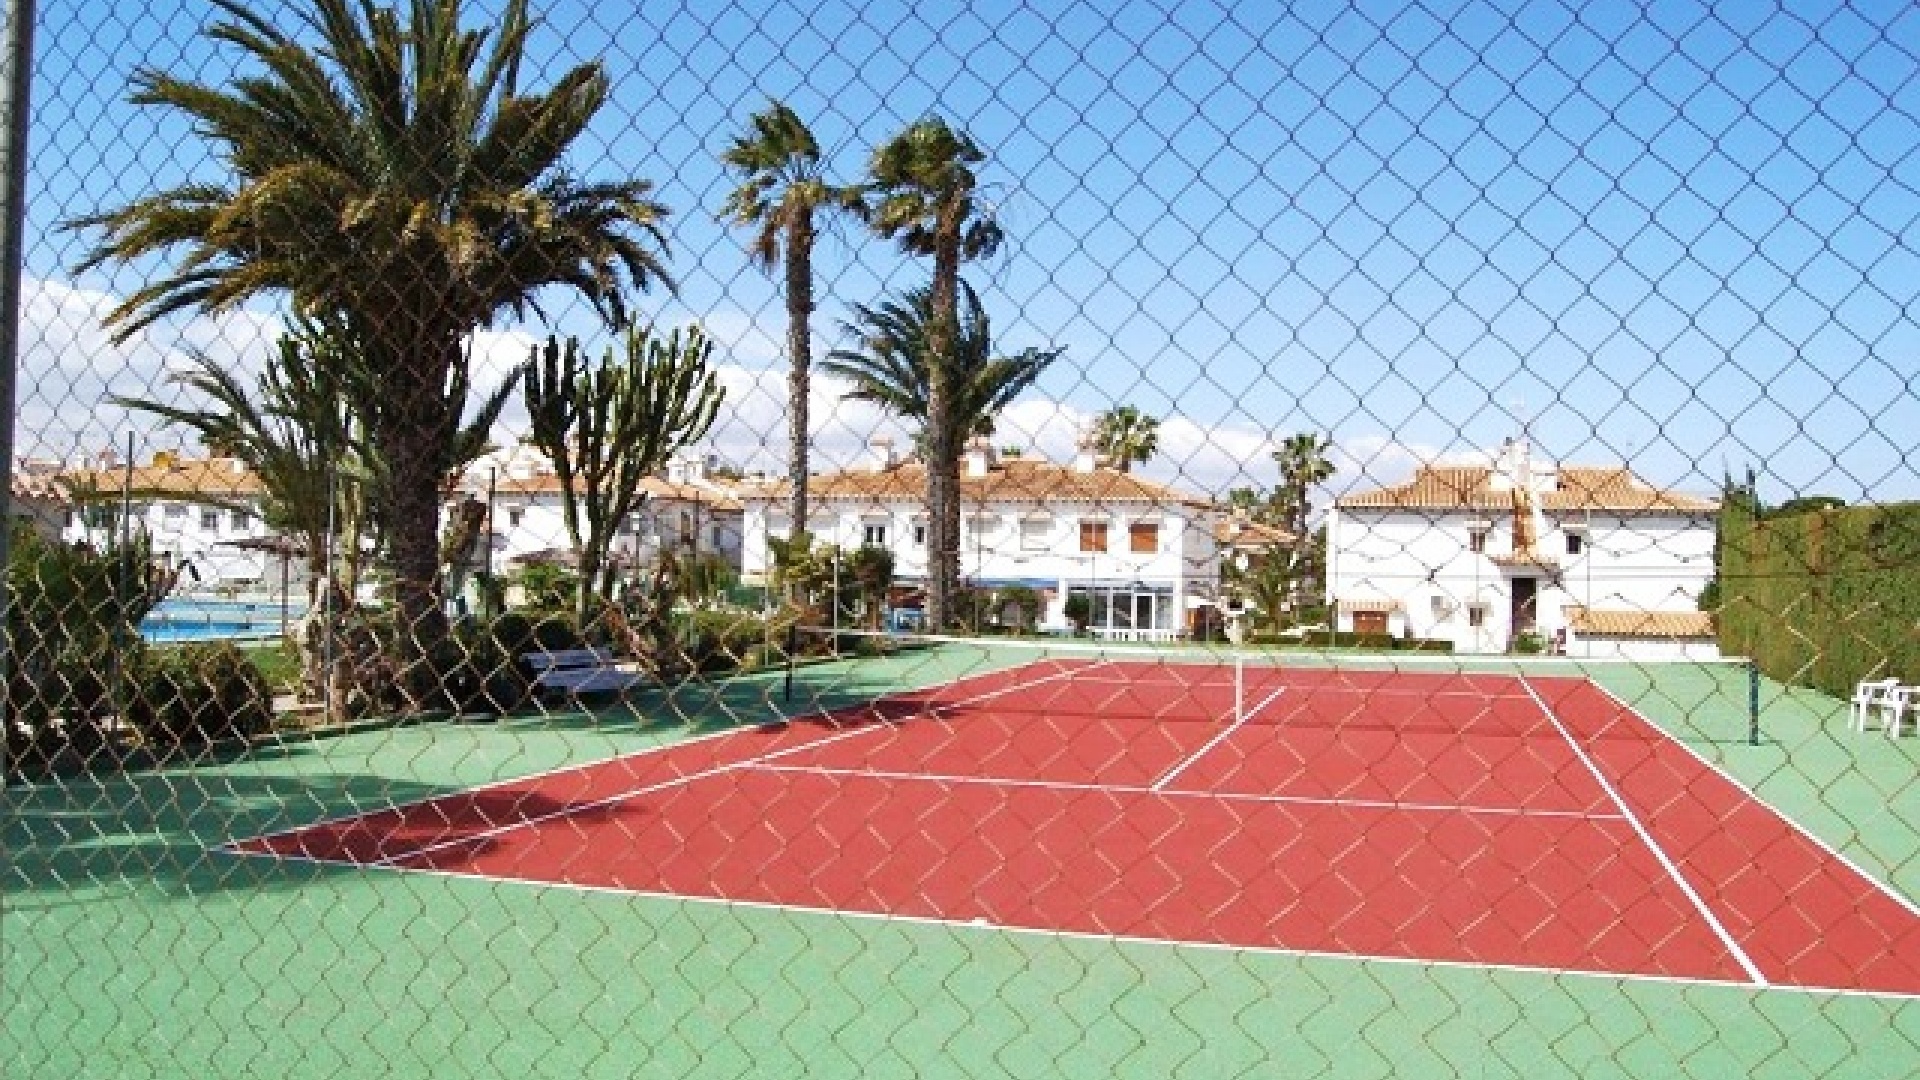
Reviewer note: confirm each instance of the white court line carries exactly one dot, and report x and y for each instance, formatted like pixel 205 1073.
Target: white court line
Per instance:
pixel 1646 837
pixel 744 763
pixel 1892 893
pixel 1092 937
pixel 582 766
pixel 1239 721
pixel 960 779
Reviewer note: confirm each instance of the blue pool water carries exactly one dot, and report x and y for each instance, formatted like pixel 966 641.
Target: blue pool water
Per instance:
pixel 178 620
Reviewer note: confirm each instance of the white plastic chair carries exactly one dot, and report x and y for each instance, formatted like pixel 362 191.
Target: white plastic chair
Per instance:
pixel 1867 697
pixel 1893 708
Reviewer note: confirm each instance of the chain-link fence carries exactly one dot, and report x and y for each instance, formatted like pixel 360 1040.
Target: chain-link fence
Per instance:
pixel 1314 540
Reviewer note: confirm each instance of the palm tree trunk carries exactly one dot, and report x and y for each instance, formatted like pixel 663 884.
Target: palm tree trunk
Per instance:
pixel 943 449
pixel 800 359
pixel 415 437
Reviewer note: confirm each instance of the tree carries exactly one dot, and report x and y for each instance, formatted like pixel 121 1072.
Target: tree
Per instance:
pixel 926 199
pixel 393 175
pixel 897 363
pixel 1303 463
pixel 1125 436
pixel 871 567
pixel 783 187
pixel 298 433
pixel 608 428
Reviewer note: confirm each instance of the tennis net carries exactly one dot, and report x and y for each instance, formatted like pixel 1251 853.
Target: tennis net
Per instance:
pixel 1054 679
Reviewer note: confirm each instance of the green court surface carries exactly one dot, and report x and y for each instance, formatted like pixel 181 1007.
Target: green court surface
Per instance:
pixel 127 949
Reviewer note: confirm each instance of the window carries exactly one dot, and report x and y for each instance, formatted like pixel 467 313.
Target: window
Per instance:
pixel 1035 533
pixel 210 520
pixel 173 512
pixel 873 535
pixel 919 534
pixel 1477 541
pixel 717 536
pixel 1093 536
pixel 1477 615
pixel 1576 543
pixel 515 515
pixel 239 520
pixel 1143 537
pixel 1440 610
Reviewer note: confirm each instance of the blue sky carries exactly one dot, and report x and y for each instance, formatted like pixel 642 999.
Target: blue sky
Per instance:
pixel 1676 235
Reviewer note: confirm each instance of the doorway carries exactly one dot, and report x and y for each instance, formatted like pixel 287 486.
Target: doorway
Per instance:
pixel 1526 592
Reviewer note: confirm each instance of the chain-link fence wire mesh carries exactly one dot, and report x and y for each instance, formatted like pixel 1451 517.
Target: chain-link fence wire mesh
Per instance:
pixel 1343 539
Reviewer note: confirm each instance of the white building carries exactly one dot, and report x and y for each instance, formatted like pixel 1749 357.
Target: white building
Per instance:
pixel 1144 555
pixel 39 499
pixel 687 511
pixel 203 515
pixel 1591 559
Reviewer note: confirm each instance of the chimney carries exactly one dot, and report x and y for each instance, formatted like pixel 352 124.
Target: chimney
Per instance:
pixel 979 456
pixel 1084 459
pixel 882 447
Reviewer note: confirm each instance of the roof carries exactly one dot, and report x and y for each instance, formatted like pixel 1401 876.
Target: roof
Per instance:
pixel 171 477
pixel 1369 604
pixel 38 481
pixel 1579 488
pixel 1631 623
pixel 1239 532
pixel 1014 480
pixel 653 487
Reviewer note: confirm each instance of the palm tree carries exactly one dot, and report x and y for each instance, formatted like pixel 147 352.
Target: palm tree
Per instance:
pixel 926 198
pixel 392 174
pixel 297 434
pixel 782 187
pixel 1124 435
pixel 890 367
pixel 1303 463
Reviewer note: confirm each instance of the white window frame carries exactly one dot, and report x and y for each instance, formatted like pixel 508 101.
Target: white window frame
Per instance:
pixel 1036 533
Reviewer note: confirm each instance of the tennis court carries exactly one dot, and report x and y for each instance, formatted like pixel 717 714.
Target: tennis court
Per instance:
pixel 1528 821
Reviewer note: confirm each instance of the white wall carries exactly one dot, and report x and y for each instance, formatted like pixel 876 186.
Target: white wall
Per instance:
pixel 993 546
pixel 1628 562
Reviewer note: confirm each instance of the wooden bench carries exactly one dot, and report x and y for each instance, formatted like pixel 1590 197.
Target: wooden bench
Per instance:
pixel 578 671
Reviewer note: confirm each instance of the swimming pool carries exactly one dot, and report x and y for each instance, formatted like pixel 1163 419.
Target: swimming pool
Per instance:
pixel 193 619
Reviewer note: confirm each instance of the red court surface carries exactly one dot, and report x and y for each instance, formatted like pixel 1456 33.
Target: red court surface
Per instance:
pixel 1487 820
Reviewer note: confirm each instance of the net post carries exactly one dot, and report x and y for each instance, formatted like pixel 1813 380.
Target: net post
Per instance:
pixel 1753 702
pixel 793 645
pixel 1239 687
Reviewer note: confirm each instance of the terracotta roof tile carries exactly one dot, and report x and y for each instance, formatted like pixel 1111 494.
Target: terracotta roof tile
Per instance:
pixel 1010 480
pixel 186 479
pixel 1578 488
pixel 1242 533
pixel 1628 623
pixel 653 486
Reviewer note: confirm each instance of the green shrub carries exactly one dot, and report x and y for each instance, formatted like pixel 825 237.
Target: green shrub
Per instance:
pixel 1529 643
pixel 1077 610
pixel 722 640
pixel 196 694
pixel 512 634
pixel 557 633
pixel 1348 639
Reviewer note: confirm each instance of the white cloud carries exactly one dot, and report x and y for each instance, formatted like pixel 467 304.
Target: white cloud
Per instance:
pixel 70 367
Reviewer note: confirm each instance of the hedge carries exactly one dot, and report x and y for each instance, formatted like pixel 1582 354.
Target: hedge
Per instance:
pixel 1823 599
